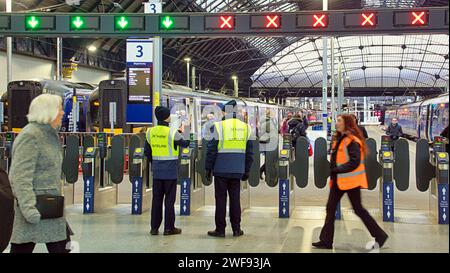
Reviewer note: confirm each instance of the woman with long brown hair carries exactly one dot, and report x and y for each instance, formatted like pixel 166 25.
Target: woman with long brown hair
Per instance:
pixel 348 175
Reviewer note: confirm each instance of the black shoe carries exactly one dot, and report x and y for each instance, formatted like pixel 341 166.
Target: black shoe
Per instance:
pixel 154 232
pixel 322 245
pixel 174 231
pixel 381 240
pixel 215 233
pixel 238 233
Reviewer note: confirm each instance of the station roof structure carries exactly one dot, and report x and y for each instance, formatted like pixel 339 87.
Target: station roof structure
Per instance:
pixel 273 66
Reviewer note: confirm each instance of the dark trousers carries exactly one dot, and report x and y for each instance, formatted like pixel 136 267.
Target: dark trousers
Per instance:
pixel 163 190
pixel 56 247
pixel 354 195
pixel 223 185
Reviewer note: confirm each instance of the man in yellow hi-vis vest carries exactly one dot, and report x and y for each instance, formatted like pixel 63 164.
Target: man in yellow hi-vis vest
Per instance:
pixel 229 156
pixel 162 149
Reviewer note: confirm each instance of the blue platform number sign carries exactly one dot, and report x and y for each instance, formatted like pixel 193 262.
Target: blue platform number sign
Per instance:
pixel 88 197
pixel 136 196
pixel 284 199
pixel 443 203
pixel 185 203
pixel 388 202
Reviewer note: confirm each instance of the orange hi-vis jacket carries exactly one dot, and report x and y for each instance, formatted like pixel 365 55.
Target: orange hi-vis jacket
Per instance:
pixel 357 177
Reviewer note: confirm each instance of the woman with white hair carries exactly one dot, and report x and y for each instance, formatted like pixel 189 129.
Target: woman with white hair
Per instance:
pixel 36 172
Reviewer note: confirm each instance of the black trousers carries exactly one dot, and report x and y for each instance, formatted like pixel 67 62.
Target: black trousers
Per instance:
pixel 223 185
pixel 163 190
pixel 56 247
pixel 354 195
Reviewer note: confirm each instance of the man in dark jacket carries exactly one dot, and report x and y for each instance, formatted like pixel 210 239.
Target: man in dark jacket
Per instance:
pixel 394 131
pixel 229 157
pixel 296 128
pixel 161 149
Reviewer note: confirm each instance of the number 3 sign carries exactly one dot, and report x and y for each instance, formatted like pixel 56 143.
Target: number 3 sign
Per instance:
pixel 139 51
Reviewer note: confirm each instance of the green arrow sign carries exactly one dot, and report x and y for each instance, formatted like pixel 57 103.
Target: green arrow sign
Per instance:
pixel 122 22
pixel 32 22
pixel 167 22
pixel 77 22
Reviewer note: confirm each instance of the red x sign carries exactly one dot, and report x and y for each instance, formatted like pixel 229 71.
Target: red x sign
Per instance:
pixel 226 22
pixel 368 19
pixel 319 20
pixel 419 18
pixel 272 21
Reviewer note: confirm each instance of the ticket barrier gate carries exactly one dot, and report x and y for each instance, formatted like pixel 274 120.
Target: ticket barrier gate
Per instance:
pixel 432 173
pixel 139 175
pixel 70 166
pixel 101 172
pixel 322 168
pixel 390 167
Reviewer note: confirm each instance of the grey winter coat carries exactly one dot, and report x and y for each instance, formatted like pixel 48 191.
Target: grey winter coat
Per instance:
pixel 36 170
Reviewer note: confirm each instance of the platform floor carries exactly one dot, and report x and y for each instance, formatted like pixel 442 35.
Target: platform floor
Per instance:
pixel 115 230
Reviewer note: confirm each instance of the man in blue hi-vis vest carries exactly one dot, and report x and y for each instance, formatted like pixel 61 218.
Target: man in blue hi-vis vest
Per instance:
pixel 229 157
pixel 162 149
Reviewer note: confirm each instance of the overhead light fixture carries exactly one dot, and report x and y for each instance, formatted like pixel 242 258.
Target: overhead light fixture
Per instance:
pixel 92 48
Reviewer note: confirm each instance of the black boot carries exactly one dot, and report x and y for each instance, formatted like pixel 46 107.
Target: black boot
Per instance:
pixel 215 233
pixel 381 239
pixel 238 233
pixel 174 231
pixel 154 232
pixel 322 245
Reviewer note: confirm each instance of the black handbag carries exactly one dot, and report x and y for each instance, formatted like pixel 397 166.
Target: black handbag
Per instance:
pixel 50 206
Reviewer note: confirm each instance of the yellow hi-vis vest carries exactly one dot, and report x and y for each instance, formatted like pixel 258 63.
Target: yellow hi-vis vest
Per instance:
pixel 161 140
pixel 233 135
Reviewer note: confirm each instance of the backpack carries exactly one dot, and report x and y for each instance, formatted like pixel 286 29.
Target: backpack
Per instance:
pixel 6 210
pixel 298 131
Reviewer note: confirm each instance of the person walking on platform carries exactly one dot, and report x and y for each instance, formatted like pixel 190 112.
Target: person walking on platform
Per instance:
pixel 348 175
pixel 229 157
pixel 162 149
pixel 394 131
pixel 36 173
pixel 360 127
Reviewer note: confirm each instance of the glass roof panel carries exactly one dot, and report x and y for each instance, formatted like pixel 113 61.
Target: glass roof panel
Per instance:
pixel 381 55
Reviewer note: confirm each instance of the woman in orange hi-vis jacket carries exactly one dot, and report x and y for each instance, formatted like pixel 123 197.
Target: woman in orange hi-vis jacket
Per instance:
pixel 348 175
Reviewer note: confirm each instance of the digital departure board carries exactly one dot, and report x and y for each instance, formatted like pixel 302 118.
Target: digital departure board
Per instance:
pixel 139 84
